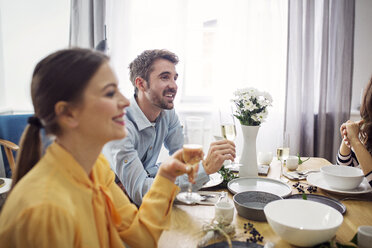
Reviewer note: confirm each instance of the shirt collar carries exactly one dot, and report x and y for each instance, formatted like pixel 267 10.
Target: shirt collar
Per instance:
pixel 139 117
pixel 56 153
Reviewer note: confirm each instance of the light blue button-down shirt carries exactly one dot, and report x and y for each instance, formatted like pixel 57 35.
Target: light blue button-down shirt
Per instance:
pixel 133 158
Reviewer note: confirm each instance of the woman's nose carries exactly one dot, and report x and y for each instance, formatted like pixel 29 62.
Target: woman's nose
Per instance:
pixel 123 101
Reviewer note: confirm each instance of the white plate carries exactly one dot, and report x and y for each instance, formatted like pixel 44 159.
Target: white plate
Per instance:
pixel 6 187
pixel 317 179
pixel 259 184
pixel 214 180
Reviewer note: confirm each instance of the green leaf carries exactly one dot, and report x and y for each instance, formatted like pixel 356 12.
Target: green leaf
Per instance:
pixel 304 196
pixel 301 161
pixel 227 175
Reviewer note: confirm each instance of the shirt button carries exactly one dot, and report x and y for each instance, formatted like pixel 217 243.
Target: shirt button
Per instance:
pixel 150 147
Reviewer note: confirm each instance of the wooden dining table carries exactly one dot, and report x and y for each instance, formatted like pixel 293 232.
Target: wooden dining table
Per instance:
pixel 187 220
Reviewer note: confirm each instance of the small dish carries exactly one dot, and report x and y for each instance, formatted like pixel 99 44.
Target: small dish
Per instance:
pixel 214 180
pixel 6 186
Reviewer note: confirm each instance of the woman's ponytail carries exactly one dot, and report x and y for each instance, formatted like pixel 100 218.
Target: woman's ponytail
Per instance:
pixel 30 149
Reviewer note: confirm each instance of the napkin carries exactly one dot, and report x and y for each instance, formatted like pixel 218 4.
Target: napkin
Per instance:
pixel 293 175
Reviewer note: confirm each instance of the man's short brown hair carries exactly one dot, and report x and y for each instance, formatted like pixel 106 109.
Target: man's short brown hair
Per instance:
pixel 142 65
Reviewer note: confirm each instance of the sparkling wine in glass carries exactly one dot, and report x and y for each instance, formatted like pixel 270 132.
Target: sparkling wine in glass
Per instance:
pixel 282 152
pixel 228 131
pixel 227 123
pixel 192 154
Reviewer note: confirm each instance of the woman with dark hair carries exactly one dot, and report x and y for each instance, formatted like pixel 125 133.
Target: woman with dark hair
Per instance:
pixel 68 197
pixel 356 147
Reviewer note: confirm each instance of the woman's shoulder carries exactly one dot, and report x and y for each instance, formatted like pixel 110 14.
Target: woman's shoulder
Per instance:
pixel 42 185
pixel 42 222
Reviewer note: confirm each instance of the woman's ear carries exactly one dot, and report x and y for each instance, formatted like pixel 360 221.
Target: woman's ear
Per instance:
pixel 66 114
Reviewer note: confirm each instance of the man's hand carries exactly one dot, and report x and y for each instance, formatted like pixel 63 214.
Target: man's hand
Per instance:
pixel 219 151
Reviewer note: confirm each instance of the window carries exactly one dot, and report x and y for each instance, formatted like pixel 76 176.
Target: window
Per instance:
pixel 29 30
pixel 222 45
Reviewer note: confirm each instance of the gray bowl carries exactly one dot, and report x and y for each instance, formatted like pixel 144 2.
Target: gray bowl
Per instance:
pixel 250 204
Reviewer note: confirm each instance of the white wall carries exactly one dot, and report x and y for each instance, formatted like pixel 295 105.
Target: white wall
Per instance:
pixel 29 31
pixel 362 49
pixel 2 86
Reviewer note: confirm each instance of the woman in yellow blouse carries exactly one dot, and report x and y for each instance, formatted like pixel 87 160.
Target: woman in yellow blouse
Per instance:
pixel 68 197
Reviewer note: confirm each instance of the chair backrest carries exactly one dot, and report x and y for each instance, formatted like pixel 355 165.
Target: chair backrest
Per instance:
pixel 11 128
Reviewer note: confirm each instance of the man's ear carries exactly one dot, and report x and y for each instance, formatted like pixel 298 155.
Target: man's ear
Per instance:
pixel 140 84
pixel 66 114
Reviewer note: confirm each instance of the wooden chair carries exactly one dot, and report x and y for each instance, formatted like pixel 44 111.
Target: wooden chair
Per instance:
pixel 9 147
pixel 11 129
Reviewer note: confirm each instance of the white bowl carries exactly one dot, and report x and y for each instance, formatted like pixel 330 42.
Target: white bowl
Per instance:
pixel 302 222
pixel 342 177
pixel 265 158
pixel 292 163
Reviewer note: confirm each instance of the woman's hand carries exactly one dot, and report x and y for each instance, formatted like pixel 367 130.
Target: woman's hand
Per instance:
pixel 350 132
pixel 343 133
pixel 174 166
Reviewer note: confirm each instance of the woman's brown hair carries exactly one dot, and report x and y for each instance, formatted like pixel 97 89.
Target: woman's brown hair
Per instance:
pixel 366 114
pixel 61 76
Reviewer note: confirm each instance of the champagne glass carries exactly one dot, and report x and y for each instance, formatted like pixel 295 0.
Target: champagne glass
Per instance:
pixel 227 122
pixel 192 154
pixel 282 152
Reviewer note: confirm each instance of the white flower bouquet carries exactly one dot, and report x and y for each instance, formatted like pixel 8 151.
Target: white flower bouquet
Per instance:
pixel 251 106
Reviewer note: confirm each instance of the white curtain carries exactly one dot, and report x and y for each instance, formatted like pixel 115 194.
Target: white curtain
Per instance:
pixel 222 45
pixel 319 79
pixel 87 23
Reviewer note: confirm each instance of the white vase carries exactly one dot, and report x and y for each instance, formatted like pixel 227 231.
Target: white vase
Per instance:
pixel 248 158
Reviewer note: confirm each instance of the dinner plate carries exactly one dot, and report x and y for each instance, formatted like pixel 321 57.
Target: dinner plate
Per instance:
pixel 322 199
pixel 235 244
pixel 317 179
pixel 259 184
pixel 214 180
pixel 6 187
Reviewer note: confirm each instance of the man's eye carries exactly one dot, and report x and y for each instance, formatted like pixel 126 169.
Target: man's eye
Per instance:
pixel 164 77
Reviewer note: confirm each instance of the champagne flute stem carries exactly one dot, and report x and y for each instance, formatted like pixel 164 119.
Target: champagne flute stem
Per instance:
pixel 189 191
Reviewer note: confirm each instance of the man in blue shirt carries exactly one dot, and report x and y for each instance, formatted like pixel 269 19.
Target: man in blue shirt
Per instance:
pixel 151 122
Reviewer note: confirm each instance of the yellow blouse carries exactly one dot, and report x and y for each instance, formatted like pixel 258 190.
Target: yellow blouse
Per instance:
pixel 57 205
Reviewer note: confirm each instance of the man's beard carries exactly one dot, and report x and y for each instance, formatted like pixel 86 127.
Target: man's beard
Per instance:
pixel 161 102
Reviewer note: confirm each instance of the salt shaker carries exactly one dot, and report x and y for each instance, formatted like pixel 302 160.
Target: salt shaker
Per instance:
pixel 224 210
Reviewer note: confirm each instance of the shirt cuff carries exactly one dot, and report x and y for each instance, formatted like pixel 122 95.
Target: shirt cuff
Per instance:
pixel 344 157
pixel 164 185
